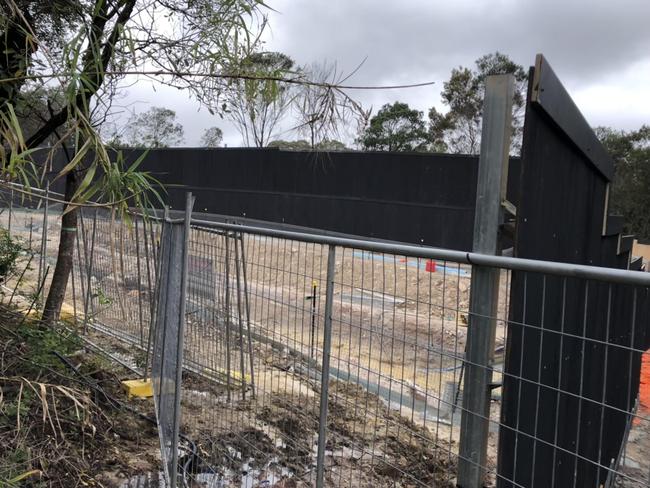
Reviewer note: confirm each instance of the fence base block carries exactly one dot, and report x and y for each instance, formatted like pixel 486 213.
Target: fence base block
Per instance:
pixel 138 388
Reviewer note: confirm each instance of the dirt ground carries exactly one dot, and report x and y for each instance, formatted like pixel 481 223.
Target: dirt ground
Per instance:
pixel 55 429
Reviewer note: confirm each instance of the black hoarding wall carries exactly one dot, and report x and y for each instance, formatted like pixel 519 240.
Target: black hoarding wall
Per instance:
pixel 552 433
pixel 417 198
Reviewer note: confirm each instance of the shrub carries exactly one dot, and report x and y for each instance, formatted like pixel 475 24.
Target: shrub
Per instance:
pixel 9 252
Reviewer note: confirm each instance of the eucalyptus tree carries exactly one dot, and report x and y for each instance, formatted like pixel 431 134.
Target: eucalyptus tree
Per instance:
pixel 257 106
pixel 630 197
pixel 212 137
pixel 459 130
pixel 396 127
pixel 317 114
pixel 81 49
pixel 154 128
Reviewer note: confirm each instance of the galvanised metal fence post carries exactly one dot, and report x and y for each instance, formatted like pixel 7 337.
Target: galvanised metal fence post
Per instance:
pixel 248 313
pixel 227 305
pixel 152 292
pixel 90 253
pixel 325 369
pixel 81 237
pixel 484 287
pixel 240 320
pixel 189 203
pixel 139 274
pixel 43 250
pixel 11 207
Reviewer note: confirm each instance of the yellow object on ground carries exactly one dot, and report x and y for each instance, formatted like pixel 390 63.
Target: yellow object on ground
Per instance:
pixel 138 388
pixel 67 313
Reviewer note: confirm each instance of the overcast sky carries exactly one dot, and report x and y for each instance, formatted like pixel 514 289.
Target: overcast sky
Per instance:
pixel 600 49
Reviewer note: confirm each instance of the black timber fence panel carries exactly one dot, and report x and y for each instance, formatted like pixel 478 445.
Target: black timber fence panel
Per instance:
pixel 572 365
pixel 417 198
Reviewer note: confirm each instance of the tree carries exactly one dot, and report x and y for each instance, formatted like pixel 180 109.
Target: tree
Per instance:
pixel 330 145
pixel 629 192
pixel 459 130
pixel 257 106
pixel 319 111
pixel 212 137
pixel 34 107
pixel 22 22
pixel 84 48
pixel 157 127
pixel 396 127
pixel 299 145
pixel 81 49
pixel 326 145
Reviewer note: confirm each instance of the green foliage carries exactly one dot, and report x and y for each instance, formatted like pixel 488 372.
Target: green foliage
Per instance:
pixel 396 127
pixel 15 463
pixel 212 137
pixel 13 410
pixel 499 64
pixel 73 52
pixel 255 105
pixel 630 195
pixel 10 250
pixel 299 145
pixel 103 298
pixel 38 343
pixel 330 145
pixel 15 157
pixel 459 130
pixel 264 64
pixel 123 186
pixel 155 128
pixel 33 108
pixel 325 145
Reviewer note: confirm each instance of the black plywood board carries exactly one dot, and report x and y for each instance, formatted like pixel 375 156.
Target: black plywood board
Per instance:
pixel 556 382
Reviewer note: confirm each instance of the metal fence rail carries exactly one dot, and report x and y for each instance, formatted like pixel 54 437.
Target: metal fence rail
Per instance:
pixel 310 357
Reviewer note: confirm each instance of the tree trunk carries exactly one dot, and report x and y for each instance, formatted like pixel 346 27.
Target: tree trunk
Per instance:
pixel 64 261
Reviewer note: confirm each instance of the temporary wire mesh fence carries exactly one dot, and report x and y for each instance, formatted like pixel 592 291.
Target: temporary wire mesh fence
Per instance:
pixel 280 326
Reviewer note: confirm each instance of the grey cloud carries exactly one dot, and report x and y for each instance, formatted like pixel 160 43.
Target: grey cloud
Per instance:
pixel 588 42
pixel 412 40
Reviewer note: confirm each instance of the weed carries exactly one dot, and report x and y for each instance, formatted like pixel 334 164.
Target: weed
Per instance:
pixel 10 250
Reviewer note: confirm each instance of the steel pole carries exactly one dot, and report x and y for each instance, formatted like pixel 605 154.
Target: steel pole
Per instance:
pixel 240 320
pixel 189 203
pixel 484 291
pixel 90 257
pixel 325 371
pixel 248 313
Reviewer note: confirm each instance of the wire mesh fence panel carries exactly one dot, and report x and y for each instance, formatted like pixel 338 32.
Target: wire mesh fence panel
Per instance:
pixel 253 312
pixel 119 257
pixel 381 336
pixel 256 326
pixel 395 373
pixel 34 223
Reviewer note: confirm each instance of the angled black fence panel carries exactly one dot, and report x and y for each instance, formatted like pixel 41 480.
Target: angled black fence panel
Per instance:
pixel 573 352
